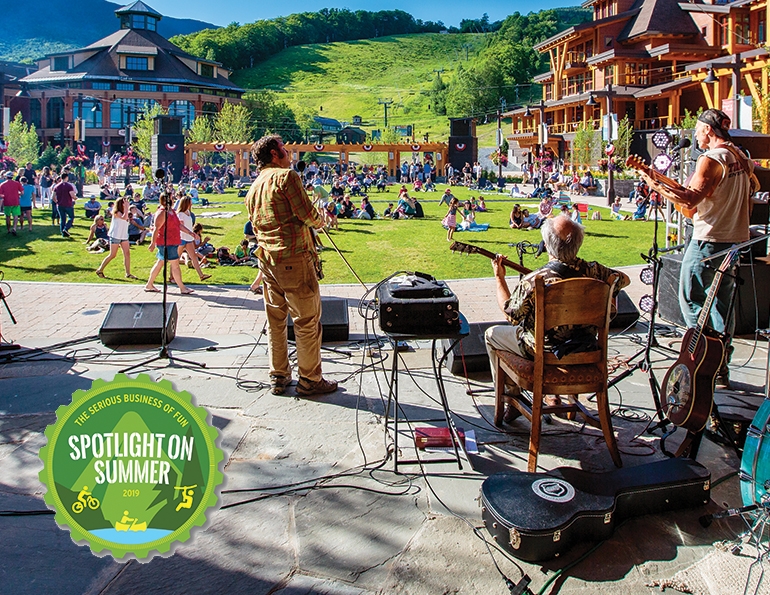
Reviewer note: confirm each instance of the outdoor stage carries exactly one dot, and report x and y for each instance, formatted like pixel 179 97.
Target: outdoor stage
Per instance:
pixel 339 540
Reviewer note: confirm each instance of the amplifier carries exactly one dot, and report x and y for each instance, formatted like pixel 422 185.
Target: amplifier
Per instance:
pixel 417 304
pixel 138 324
pixel 334 320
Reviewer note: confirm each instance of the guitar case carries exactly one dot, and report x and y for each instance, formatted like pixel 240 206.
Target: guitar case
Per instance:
pixel 538 516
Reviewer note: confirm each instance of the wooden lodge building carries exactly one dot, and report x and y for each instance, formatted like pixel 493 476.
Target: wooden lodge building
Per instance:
pixel 651 60
pixel 108 83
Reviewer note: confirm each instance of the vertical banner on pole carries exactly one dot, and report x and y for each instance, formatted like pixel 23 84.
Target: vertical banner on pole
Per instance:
pixel 6 120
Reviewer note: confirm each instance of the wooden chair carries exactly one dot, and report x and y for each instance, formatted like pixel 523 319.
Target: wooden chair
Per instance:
pixel 572 301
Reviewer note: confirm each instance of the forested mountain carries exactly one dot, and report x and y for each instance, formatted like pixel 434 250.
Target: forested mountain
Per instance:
pixel 32 30
pixel 243 46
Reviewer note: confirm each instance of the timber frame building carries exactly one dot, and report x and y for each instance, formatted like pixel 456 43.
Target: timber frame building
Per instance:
pixel 652 60
pixel 108 84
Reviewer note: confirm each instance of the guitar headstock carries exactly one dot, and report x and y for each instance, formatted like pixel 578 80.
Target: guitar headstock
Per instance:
pixel 463 248
pixel 635 162
pixel 729 260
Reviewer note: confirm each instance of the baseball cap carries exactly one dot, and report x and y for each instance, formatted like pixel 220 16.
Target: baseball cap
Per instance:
pixel 9 174
pixel 719 122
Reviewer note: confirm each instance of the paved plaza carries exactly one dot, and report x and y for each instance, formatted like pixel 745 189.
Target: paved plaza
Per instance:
pixel 410 533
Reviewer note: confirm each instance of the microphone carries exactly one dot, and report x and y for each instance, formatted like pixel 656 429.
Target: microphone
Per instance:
pixel 684 142
pixel 160 174
pixel 301 165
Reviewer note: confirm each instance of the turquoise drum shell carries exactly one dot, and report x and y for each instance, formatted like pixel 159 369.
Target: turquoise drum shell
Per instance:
pixel 755 462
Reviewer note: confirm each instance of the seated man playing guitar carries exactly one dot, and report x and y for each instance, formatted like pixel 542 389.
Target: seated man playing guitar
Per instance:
pixel 563 238
pixel 718 200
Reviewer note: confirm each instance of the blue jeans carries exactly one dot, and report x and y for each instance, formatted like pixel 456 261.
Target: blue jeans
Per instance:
pixel 66 218
pixel 695 280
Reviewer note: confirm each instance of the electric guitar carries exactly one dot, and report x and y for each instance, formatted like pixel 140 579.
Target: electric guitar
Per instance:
pixel 688 387
pixel 470 249
pixel 637 163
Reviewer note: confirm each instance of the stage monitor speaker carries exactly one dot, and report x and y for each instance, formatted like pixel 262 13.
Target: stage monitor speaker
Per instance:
pixel 138 324
pixel 473 348
pixel 627 313
pixel 334 320
pixel 748 317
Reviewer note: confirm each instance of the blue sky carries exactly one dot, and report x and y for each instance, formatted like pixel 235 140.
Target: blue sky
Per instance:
pixel 451 12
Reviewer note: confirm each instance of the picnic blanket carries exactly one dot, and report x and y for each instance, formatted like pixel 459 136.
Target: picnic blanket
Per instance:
pixel 475 227
pixel 218 214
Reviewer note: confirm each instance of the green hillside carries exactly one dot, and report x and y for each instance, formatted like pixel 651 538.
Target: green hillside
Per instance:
pixel 347 79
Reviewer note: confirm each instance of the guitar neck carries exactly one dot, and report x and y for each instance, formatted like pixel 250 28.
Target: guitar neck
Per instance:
pixel 657 176
pixel 469 249
pixel 705 312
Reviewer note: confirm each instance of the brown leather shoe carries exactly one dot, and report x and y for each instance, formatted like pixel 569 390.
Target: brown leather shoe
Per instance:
pixel 278 384
pixel 306 388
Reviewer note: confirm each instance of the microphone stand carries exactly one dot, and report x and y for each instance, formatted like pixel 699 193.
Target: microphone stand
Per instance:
pixel 651 342
pixel 7 346
pixel 165 352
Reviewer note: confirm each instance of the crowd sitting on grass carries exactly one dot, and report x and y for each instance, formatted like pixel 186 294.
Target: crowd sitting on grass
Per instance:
pixel 121 217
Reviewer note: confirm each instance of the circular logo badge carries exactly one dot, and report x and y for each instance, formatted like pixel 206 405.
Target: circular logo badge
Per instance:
pixel 553 490
pixel 131 467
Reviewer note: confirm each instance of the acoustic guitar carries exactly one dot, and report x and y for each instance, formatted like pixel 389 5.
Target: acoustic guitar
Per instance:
pixel 471 249
pixel 688 387
pixel 637 163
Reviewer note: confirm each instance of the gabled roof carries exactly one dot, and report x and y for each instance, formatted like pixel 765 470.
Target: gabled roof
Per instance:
pixel 104 64
pixel 569 32
pixel 138 7
pixel 659 17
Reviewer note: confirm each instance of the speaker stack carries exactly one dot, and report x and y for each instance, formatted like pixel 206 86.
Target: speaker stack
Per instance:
pixel 750 314
pixel 138 324
pixel 168 144
pixel 463 144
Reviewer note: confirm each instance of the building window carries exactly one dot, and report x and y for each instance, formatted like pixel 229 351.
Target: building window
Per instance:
pixel 148 88
pixel 762 27
pixel 125 111
pixel 84 109
pixel 193 89
pixel 171 88
pixel 210 109
pixel 138 21
pixel 723 30
pixel 742 34
pixel 183 109
pixel 221 94
pixel 61 62
pixel 137 63
pixel 35 113
pixel 101 86
pixel 125 86
pixel 54 112
pixel 207 70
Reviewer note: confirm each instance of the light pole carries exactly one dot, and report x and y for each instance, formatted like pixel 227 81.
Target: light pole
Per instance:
pixel 610 173
pixel 542 140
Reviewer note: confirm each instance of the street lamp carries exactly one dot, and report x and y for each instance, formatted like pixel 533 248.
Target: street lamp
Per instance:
pixel 610 174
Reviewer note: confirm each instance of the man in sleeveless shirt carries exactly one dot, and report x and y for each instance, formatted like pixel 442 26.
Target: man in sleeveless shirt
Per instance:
pixel 719 192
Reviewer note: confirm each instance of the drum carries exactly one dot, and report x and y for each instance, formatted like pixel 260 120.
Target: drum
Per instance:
pixel 755 463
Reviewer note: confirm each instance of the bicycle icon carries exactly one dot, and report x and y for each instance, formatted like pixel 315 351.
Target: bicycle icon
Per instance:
pixel 85 499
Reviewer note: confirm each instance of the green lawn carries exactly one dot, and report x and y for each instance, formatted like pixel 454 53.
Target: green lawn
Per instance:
pixel 375 249
pixel 348 79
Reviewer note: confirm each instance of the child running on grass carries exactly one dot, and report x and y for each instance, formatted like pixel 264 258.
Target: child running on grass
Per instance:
pixel 450 220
